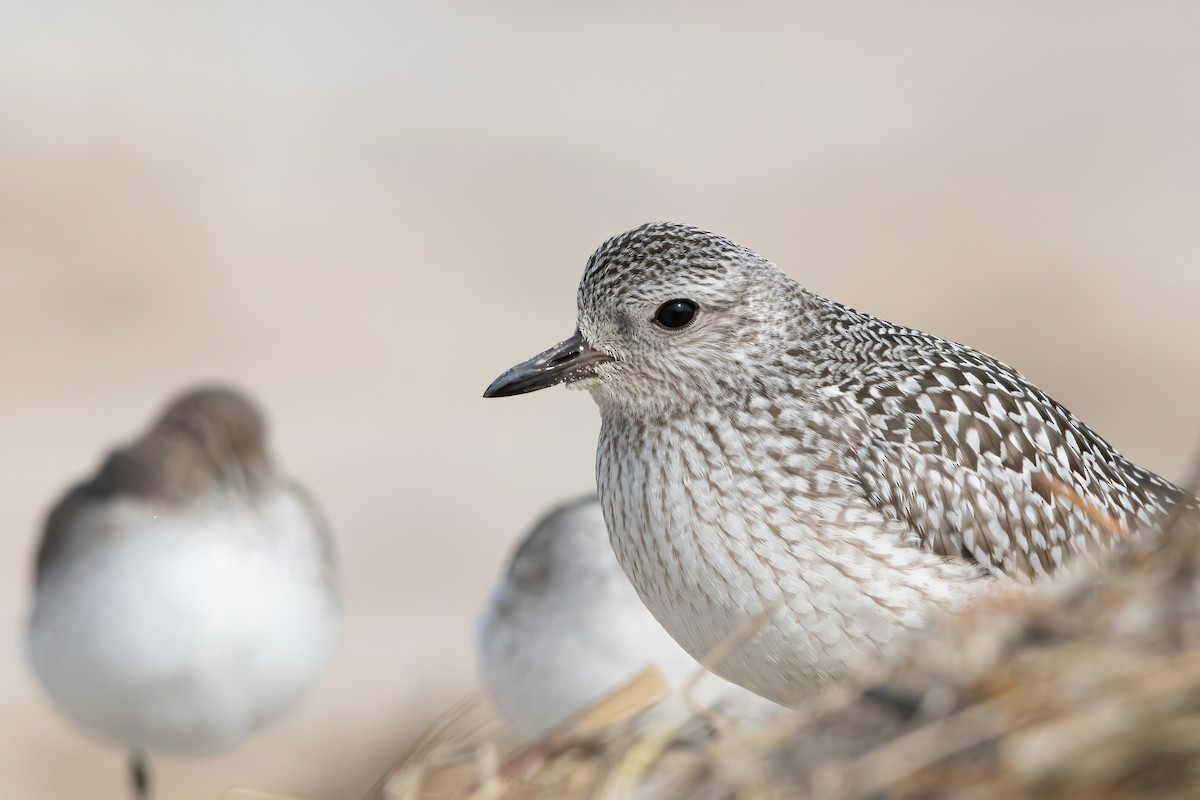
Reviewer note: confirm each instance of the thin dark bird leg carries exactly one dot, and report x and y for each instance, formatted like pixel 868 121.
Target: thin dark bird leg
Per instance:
pixel 139 774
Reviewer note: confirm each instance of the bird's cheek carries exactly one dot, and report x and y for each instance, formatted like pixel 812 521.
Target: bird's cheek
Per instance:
pixel 603 375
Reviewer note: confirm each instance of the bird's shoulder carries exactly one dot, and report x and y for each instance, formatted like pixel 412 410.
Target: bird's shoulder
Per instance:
pixel 61 527
pixel 134 471
pixel 156 474
pixel 980 463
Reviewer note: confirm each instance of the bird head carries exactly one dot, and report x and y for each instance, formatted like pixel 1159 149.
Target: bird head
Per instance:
pixel 670 316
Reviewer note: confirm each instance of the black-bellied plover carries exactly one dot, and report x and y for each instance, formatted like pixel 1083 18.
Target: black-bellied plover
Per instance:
pixel 765 448
pixel 564 627
pixel 186 593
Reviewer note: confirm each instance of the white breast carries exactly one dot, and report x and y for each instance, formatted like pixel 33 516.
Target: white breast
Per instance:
pixel 716 522
pixel 181 633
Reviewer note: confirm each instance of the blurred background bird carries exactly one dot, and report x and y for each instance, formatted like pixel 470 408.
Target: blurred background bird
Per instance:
pixel 186 594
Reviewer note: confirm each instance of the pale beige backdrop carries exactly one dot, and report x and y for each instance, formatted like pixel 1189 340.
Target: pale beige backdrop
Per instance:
pixel 362 212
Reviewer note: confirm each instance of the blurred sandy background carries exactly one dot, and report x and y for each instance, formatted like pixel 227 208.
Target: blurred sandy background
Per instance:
pixel 363 212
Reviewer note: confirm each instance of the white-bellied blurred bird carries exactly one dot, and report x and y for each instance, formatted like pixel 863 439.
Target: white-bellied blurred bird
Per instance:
pixel 564 627
pixel 186 594
pixel 765 450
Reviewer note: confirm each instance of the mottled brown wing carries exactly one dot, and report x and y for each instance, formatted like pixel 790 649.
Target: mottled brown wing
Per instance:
pixel 961 453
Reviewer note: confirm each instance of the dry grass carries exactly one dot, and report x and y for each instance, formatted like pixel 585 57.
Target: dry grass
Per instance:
pixel 1088 690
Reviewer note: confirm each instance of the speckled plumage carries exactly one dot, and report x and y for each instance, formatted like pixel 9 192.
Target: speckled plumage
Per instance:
pixel 785 452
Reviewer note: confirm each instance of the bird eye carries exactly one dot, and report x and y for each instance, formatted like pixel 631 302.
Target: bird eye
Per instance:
pixel 675 313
